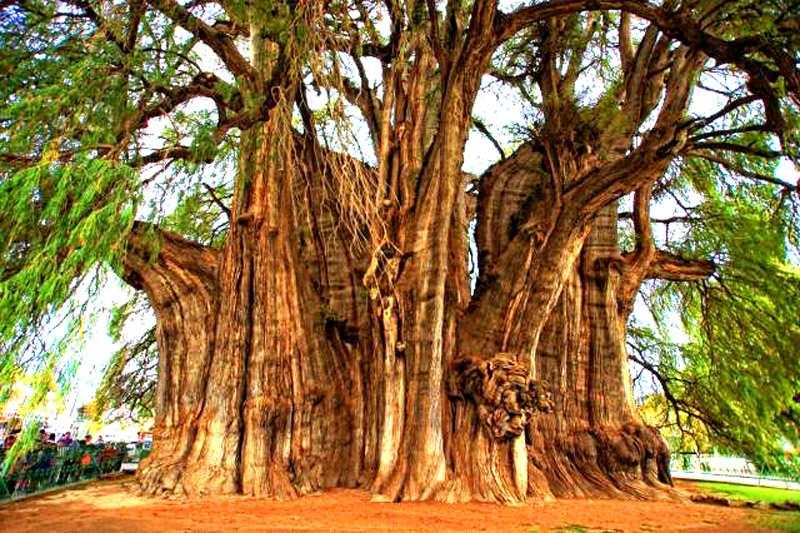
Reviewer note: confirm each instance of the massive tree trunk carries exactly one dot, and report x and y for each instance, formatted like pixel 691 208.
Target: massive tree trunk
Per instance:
pixel 591 441
pixel 181 282
pixel 303 356
pixel 269 398
pixel 275 379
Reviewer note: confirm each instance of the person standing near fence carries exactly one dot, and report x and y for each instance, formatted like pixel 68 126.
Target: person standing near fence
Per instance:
pixel 66 439
pixel 10 439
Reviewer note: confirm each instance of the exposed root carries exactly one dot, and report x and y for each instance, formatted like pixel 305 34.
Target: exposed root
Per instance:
pixel 179 480
pixel 160 480
pixel 404 484
pixel 627 461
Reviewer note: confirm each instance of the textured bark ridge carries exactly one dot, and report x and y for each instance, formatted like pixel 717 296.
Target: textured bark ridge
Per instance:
pixel 593 443
pixel 319 349
pixel 289 365
pixel 181 281
pixel 264 383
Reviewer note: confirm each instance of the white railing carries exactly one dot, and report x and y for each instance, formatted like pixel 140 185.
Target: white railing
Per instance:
pixel 711 463
pixel 725 469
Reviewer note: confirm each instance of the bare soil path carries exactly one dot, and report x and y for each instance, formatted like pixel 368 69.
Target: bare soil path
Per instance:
pixel 111 506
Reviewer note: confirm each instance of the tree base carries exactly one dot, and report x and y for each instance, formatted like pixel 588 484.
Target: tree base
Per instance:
pixel 179 481
pixel 630 461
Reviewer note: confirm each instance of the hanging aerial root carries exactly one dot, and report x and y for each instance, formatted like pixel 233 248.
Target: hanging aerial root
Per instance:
pixel 501 387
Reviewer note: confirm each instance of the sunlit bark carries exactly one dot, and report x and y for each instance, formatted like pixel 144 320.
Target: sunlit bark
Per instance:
pixel 312 351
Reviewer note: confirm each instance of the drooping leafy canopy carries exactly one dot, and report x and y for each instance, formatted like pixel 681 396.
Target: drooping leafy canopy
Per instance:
pixel 79 88
pixel 724 353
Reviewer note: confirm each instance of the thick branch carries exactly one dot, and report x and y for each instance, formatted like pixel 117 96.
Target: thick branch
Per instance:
pixel 626 50
pixel 678 219
pixel 730 106
pixel 242 120
pixel 218 41
pixel 607 183
pixel 672 267
pixel 641 221
pixel 203 84
pixel 729 131
pixel 154 256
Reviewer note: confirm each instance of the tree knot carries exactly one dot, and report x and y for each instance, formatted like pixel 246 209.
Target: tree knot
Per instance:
pixel 501 387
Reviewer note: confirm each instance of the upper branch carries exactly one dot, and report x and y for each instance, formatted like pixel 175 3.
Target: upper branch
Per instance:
pixel 636 265
pixel 219 41
pixel 606 183
pixel 645 246
pixel 204 84
pixel 680 26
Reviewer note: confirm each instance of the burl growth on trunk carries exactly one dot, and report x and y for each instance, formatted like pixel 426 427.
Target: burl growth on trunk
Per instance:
pixel 502 388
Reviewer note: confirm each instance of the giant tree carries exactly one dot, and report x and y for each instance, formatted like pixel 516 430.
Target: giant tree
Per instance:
pixel 283 179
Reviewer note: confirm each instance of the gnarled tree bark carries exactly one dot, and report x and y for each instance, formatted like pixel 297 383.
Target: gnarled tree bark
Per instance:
pixel 180 279
pixel 293 360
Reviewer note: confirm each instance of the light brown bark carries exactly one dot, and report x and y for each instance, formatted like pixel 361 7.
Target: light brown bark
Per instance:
pixel 325 363
pixel 180 279
pixel 270 381
pixel 302 387
pixel 592 443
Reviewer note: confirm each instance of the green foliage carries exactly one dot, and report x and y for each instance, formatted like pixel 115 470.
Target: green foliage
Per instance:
pixel 68 218
pixel 780 521
pixel 26 440
pixel 127 389
pixel 682 431
pixel 70 182
pixel 97 100
pixel 196 215
pixel 737 375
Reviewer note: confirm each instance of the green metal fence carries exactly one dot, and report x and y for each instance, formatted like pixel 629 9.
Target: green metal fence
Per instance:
pixel 50 466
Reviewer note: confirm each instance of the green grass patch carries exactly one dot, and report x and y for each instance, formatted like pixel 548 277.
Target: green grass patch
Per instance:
pixel 775 520
pixel 746 492
pixel 778 520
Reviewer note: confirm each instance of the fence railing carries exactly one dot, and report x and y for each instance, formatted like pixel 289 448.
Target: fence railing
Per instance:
pixel 727 469
pixel 51 466
pixel 711 463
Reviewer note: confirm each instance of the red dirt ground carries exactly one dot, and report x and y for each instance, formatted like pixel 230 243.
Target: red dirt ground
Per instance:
pixel 110 506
